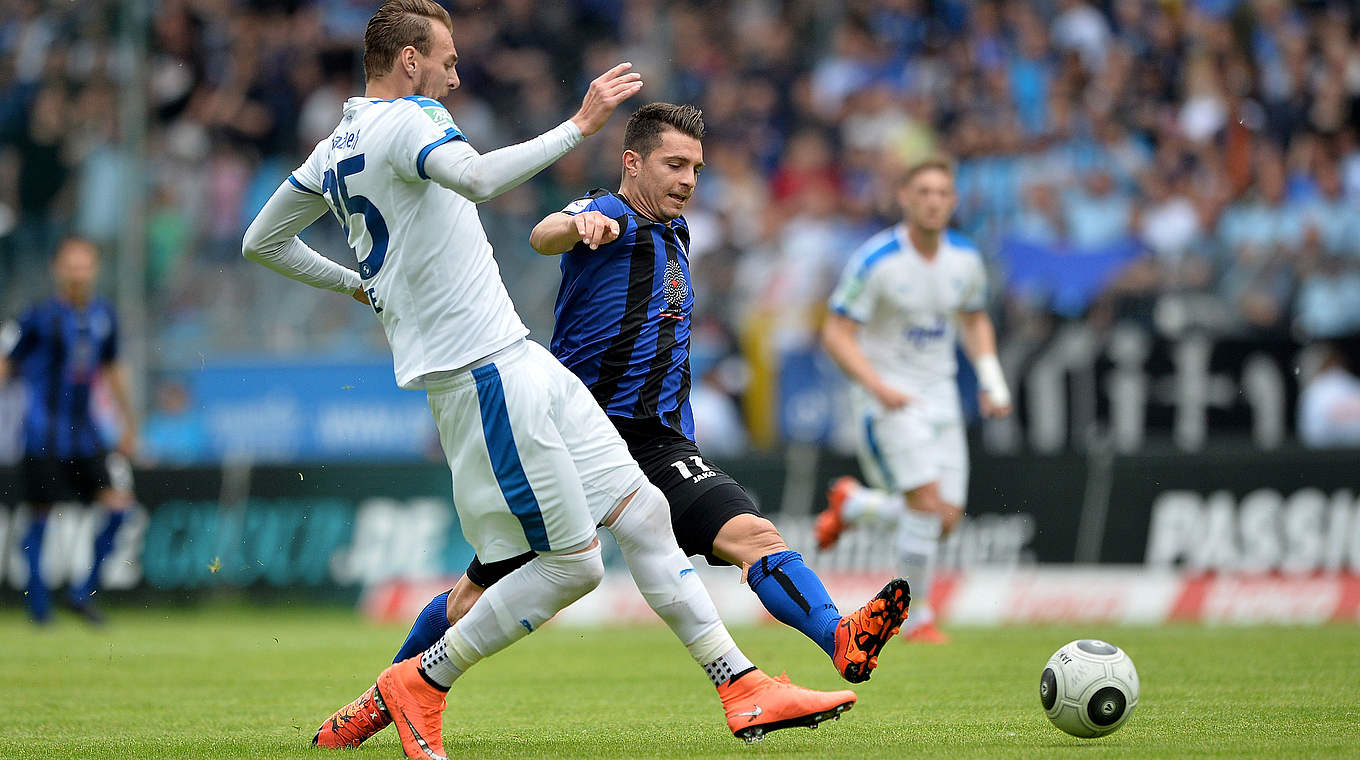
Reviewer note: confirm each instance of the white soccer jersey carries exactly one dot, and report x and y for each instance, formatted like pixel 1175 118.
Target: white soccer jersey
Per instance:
pixel 424 259
pixel 906 306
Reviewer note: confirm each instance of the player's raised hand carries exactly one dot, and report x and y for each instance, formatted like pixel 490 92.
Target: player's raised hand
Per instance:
pixel 604 95
pixel 596 229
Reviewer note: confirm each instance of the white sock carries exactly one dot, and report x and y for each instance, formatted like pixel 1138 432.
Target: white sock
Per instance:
pixel 918 543
pixel 437 666
pixel 513 608
pixel 870 505
pixel 668 582
pixel 724 669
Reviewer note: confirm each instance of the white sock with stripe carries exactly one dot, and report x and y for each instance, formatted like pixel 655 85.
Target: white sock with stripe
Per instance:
pixel 672 588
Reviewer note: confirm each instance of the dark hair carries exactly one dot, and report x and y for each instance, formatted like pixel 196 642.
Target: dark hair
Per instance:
pixel 643 132
pixel 399 23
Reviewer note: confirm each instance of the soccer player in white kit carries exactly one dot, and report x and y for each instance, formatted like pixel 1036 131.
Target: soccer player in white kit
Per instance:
pixel 536 464
pixel 892 329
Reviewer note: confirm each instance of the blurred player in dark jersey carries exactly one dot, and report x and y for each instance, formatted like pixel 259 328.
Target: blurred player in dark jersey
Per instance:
pixel 63 344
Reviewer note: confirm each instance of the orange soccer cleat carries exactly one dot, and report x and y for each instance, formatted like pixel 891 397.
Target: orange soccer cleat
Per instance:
pixel 757 704
pixel 354 723
pixel 831 522
pixel 860 636
pixel 927 633
pixel 416 707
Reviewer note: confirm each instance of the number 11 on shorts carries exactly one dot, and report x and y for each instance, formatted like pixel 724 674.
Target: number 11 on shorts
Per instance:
pixel 685 472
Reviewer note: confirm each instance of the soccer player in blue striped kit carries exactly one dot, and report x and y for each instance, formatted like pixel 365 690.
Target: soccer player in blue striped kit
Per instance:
pixel 623 325
pixel 64 342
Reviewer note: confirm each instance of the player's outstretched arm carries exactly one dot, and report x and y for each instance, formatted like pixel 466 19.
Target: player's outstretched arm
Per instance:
pixel 559 232
pixel 477 177
pixel 272 240
pixel 838 338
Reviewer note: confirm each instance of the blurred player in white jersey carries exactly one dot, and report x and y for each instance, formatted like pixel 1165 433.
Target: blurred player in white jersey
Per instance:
pixel 536 464
pixel 892 329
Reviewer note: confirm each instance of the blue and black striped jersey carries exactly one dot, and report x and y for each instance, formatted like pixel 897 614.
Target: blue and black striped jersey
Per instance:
pixel 60 348
pixel 623 315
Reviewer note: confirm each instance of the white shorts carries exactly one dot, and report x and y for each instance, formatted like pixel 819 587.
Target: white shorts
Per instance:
pixel 536 464
pixel 906 448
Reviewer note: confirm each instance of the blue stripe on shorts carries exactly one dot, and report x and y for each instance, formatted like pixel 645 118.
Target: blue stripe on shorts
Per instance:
pixel 505 462
pixel 878 453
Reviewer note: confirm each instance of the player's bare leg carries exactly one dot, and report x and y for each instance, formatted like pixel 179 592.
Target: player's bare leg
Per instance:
pixel 795 596
pixel 755 703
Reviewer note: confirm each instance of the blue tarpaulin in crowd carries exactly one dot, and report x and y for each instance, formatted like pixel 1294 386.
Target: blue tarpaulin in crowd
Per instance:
pixel 1065 278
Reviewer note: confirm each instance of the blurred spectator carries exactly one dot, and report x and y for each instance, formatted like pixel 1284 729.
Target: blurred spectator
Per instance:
pixel 1097 214
pixel 174 432
pixel 1329 406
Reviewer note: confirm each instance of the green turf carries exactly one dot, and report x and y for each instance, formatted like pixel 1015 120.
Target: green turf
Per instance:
pixel 235 682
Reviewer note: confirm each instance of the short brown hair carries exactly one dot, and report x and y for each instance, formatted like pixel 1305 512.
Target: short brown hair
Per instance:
pixel 941 163
pixel 399 23
pixel 642 134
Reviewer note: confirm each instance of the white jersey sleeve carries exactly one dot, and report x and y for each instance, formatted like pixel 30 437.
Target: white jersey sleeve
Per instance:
pixel 271 239
pixel 857 288
pixel 309 177
pixel 974 295
pixel 418 132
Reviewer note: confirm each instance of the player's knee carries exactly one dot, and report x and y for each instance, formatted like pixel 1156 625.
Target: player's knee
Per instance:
pixel 949 518
pixel 645 518
pixel 747 538
pixel 928 500
pixel 588 573
pixel 577 573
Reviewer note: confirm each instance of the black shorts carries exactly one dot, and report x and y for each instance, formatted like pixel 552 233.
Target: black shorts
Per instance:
pixel 48 480
pixel 702 497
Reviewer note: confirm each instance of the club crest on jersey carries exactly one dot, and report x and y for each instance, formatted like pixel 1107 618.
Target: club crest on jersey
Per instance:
pixel 675 290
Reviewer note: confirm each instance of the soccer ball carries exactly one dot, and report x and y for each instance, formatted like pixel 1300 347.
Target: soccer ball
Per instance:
pixel 1089 688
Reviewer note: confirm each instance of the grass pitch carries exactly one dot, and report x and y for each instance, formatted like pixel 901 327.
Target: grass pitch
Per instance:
pixel 232 682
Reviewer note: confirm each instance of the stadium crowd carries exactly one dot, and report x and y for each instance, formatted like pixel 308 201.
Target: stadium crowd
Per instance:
pixel 1191 163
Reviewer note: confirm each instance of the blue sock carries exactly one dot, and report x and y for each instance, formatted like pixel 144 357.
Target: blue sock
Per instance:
pixel 429 626
pixel 39 605
pixel 795 596
pixel 103 546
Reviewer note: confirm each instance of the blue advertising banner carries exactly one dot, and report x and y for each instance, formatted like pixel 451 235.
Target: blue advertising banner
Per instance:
pixel 277 412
